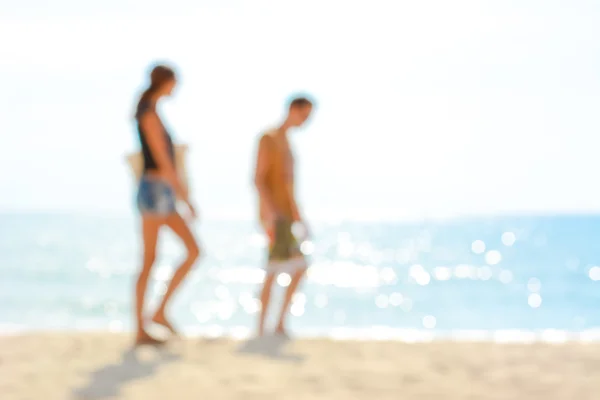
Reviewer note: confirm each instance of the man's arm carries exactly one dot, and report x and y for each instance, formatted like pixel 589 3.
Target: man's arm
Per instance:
pixel 296 212
pixel 263 164
pixel 292 196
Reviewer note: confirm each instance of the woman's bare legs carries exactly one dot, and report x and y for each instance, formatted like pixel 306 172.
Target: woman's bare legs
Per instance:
pixel 150 227
pixel 180 228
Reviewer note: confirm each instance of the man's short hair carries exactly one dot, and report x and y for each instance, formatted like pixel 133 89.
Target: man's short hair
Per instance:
pixel 300 101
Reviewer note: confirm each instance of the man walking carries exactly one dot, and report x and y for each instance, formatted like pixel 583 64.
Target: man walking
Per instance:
pixel 274 180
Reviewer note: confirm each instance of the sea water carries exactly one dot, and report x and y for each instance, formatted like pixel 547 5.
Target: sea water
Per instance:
pixel 488 277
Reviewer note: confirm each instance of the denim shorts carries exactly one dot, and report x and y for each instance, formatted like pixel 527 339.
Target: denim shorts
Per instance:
pixel 155 197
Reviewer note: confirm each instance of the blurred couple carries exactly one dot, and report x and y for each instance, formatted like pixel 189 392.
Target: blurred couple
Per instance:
pixel 161 186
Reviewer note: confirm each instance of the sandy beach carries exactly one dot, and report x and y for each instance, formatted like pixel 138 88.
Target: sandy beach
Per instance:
pixel 103 366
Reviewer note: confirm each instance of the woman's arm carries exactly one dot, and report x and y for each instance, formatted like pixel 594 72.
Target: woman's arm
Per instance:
pixel 153 131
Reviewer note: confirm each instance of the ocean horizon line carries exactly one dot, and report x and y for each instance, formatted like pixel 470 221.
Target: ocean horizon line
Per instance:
pixel 351 215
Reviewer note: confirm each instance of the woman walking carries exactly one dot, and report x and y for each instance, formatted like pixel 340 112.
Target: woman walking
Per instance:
pixel 159 187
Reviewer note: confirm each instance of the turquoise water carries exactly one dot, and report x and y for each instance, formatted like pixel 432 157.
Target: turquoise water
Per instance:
pixel 61 272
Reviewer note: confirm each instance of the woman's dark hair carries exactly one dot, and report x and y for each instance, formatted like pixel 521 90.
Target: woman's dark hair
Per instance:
pixel 159 76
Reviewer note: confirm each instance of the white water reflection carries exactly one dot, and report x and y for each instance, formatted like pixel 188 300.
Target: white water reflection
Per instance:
pixel 508 238
pixel 505 276
pixel 493 257
pixel 594 273
pixel 321 300
pixel 429 322
pixel 419 274
pixel 478 247
pixel 534 300
pixel 442 273
pixel 484 273
pixel 534 285
pixel 396 299
pixel 382 301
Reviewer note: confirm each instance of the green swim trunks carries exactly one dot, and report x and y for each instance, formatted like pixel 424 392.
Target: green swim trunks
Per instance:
pixel 282 243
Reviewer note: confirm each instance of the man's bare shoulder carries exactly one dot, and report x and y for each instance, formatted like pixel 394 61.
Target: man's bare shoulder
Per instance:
pixel 269 133
pixel 267 136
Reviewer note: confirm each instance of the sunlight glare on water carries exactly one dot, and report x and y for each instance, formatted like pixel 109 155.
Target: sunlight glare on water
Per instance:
pixel 534 300
pixel 463 271
pixel 508 238
pixel 321 300
pixel 419 277
pixel 442 273
pixel 418 273
pixel 382 301
pixel 344 275
pixel 594 273
pixel 307 247
pixel 484 273
pixel 396 299
pixel 505 276
pixel 429 322
pixel 284 280
pixel 493 257
pixel 478 246
pixel 534 285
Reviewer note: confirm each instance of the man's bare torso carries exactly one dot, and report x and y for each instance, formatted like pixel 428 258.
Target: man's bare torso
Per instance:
pixel 280 174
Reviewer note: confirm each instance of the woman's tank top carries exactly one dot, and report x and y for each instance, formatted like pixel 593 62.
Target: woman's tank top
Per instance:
pixel 149 161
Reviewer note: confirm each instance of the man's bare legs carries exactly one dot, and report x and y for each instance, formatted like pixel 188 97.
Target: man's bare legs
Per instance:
pixel 296 276
pixel 265 298
pixel 180 228
pixel 150 227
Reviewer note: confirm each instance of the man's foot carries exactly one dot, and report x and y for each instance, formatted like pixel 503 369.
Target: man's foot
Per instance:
pixel 144 338
pixel 282 332
pixel 162 321
pixel 260 332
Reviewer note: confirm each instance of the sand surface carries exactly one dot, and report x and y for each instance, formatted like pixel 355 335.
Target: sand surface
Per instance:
pixel 103 366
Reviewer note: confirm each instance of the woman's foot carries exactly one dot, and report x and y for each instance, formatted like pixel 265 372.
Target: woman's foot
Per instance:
pixel 143 338
pixel 162 321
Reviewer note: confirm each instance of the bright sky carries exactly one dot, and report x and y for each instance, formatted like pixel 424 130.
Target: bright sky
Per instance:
pixel 427 107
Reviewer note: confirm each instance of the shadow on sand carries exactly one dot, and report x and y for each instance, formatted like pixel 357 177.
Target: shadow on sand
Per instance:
pixel 106 382
pixel 269 346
